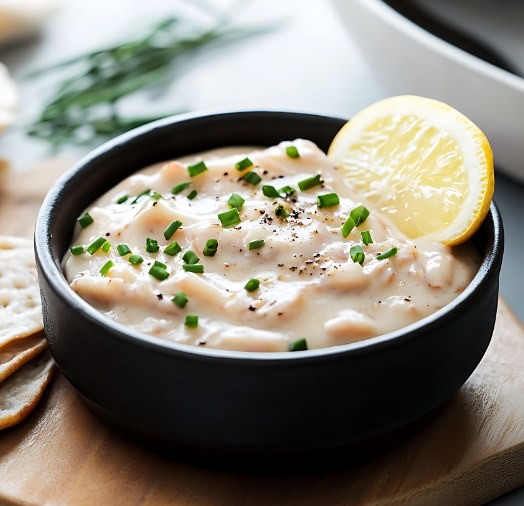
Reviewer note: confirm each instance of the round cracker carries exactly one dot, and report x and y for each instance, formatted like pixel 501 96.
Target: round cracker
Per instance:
pixel 20 310
pixel 16 353
pixel 20 393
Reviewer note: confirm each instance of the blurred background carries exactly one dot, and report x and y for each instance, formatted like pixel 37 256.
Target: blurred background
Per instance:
pixel 317 56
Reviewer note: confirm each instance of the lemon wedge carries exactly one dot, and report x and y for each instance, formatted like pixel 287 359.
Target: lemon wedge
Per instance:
pixel 421 163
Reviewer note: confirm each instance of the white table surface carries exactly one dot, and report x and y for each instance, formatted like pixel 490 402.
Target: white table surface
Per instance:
pixel 306 62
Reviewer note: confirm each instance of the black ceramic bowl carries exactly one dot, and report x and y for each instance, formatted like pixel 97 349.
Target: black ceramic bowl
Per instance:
pixel 244 402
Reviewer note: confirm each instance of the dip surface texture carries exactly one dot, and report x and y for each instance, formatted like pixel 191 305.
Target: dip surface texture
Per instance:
pixel 309 285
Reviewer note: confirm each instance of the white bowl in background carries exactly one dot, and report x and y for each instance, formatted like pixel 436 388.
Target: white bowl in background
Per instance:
pixel 409 60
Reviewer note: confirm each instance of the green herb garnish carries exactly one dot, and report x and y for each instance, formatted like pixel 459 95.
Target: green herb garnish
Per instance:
pixel 105 268
pixel 171 229
pixel 76 250
pixel 152 245
pixel 270 191
pixel 298 345
pixel 287 191
pixel 328 200
pixel 159 271
pixel 180 187
pixel 191 195
pixel 190 257
pixel 191 321
pixel 135 259
pixel 256 244
pixel 281 211
pixel 210 248
pixel 366 237
pixel 357 254
pixel 389 253
pixel 172 249
pixel 252 285
pixel 87 103
pixel 122 199
pixel 348 226
pixel 196 268
pixel 180 299
pixel 243 164
pixel 253 178
pixel 292 152
pixel 96 245
pixel 123 249
pixel 85 220
pixel 196 169
pixel 359 215
pixel 236 201
pixel 229 218
pixel 310 182
pixel 106 246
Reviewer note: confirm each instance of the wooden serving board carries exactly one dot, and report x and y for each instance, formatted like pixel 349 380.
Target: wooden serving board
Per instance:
pixel 467 453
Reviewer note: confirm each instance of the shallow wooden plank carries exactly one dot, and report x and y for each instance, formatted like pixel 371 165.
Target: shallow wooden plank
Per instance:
pixel 470 451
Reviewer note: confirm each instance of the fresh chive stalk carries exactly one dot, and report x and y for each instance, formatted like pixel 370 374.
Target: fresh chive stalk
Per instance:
pixel 310 182
pixel 85 220
pixel 387 254
pixel 252 285
pixel 256 244
pixel 243 164
pixel 328 200
pixel 171 229
pixel 298 345
pixel 210 248
pixel 229 218
pixel 180 299
pixel 196 169
pixel 236 201
pixel 357 254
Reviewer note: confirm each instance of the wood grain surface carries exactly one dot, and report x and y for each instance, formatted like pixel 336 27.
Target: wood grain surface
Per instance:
pixel 470 451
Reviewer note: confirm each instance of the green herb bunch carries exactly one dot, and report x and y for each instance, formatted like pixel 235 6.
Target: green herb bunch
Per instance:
pixel 85 106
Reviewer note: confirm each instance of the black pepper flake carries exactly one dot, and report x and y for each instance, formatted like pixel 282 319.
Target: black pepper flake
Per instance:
pixel 155 203
pixel 280 265
pixel 107 234
pixel 407 299
pixel 262 211
pixel 280 314
pixel 265 172
pixel 201 343
pixel 252 308
pixel 293 269
pixel 226 174
pixel 159 296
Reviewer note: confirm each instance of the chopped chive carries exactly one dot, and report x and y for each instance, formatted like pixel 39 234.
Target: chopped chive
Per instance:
pixel 229 218
pixel 155 195
pixel 252 285
pixel 253 178
pixel 348 226
pixel 135 259
pixel 123 249
pixel 192 195
pixel 328 200
pixel 160 264
pixel 180 187
pixel 298 345
pixel 287 191
pixel 359 215
pixel 281 211
pixel 243 164
pixel 191 321
pixel 196 268
pixel 122 199
pixel 309 183
pixel 152 245
pixel 95 245
pixel 158 272
pixel 256 244
pixel 366 237
pixel 196 169
pixel 106 246
pixel 76 250
pixel 389 253
pixel 270 191
pixel 357 254
pixel 172 249
pixel 85 220
pixel 180 299
pixel 236 201
pixel 210 248
pixel 292 152
pixel 190 257
pixel 171 229
pixel 105 268
pixel 140 195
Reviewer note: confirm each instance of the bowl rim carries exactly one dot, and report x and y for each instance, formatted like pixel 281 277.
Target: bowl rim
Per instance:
pixel 51 270
pixel 440 46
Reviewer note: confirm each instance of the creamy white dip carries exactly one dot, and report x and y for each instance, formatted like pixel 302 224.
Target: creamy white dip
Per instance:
pixel 309 285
